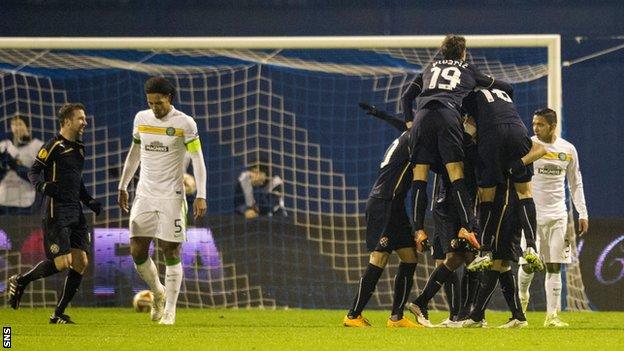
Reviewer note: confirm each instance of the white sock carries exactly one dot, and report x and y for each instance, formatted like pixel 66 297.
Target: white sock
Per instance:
pixel 149 273
pixel 173 281
pixel 552 283
pixel 524 282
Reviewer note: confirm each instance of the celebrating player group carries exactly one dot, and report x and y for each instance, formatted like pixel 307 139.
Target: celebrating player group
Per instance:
pixel 466 129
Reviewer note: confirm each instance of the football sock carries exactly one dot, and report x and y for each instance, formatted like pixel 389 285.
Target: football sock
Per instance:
pixel 524 282
pixel 527 220
pixel 463 203
pixel 149 273
pixel 510 292
pixel 43 269
pixel 437 279
pixel 486 290
pixel 72 282
pixel 452 289
pixel 552 283
pixel 173 282
pixel 488 225
pixel 419 201
pixel 403 282
pixel 365 289
pixel 470 286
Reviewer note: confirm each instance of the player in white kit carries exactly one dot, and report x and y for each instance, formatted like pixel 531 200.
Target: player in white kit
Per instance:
pixel 550 172
pixel 161 136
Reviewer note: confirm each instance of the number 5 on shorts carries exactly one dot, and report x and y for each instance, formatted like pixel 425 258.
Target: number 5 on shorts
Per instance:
pixel 178 225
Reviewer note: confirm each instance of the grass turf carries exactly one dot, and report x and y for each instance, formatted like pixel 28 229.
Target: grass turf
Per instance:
pixel 219 329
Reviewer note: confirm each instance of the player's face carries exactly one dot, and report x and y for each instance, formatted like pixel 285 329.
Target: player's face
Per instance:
pixel 77 123
pixel 542 129
pixel 18 128
pixel 159 104
pixel 257 177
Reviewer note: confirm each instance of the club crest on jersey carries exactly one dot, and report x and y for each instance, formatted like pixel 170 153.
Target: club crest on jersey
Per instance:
pixel 383 242
pixel 156 146
pixel 54 249
pixel 43 153
pixel 170 131
pixel 562 156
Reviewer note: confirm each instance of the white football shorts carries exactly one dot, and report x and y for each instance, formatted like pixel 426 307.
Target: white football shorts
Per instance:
pixel 164 219
pixel 552 242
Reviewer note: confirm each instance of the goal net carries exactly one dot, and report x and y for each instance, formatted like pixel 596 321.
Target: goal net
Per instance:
pixel 288 103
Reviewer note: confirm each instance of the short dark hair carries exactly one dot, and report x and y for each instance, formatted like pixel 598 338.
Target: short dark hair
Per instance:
pixel 160 85
pixel 548 114
pixel 67 110
pixel 453 47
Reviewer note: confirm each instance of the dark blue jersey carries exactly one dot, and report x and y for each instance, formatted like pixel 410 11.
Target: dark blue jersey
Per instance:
pixel 61 161
pixel 491 107
pixel 395 173
pixel 448 82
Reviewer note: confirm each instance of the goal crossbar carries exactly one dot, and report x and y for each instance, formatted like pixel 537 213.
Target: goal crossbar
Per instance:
pixel 550 41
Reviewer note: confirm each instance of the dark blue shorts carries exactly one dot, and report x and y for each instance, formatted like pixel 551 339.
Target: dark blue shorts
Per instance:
pixel 66 230
pixel 447 225
pixel 388 227
pixel 506 245
pixel 437 136
pixel 498 147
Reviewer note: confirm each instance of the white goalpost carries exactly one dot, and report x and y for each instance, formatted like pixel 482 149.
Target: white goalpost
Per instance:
pixel 263 95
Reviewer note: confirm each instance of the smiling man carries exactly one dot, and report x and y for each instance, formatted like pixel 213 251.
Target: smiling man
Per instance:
pixel 162 136
pixel 57 174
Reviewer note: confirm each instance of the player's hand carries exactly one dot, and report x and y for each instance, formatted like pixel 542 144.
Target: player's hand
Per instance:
pixel 95 206
pixel 251 213
pixel 422 241
pixel 122 200
pixel 583 226
pixel 199 208
pixel 50 189
pixel 370 110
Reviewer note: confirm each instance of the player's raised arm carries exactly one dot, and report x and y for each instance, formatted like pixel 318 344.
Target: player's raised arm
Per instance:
pixel 394 121
pixel 489 82
pixel 407 99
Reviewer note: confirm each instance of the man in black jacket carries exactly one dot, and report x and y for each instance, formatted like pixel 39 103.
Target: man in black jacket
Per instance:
pixel 57 174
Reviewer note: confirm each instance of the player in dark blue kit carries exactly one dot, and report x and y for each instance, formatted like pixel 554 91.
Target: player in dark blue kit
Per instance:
pixel 388 229
pixel 505 151
pixel 57 173
pixel 437 133
pixel 455 251
pixel 506 204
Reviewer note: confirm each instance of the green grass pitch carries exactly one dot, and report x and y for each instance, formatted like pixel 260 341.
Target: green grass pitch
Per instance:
pixel 221 329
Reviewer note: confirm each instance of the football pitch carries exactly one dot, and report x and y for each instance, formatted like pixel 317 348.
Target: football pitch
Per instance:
pixel 227 329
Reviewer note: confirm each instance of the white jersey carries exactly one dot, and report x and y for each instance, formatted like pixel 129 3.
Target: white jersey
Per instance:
pixel 163 145
pixel 16 191
pixel 550 172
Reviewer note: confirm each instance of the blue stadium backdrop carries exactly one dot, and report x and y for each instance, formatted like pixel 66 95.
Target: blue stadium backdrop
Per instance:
pixel 295 110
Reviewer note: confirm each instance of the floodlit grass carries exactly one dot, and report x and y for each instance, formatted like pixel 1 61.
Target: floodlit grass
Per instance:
pixel 219 329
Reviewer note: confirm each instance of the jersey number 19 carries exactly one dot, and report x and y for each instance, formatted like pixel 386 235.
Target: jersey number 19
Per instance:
pixel 450 74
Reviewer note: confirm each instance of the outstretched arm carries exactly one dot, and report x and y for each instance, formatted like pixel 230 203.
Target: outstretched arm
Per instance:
pixel 407 99
pixel 394 121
